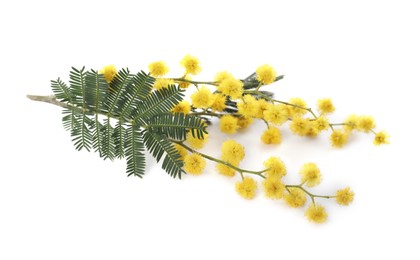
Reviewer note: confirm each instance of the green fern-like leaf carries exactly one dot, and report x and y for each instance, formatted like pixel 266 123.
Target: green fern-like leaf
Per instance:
pixel 123 118
pixel 78 86
pixel 134 152
pixel 157 145
pixel 96 91
pixel 138 91
pixel 118 136
pixel 177 125
pixel 117 90
pixel 157 102
pixel 61 90
pixel 107 142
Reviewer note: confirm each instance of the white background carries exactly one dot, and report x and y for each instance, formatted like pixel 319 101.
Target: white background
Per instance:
pixel 56 203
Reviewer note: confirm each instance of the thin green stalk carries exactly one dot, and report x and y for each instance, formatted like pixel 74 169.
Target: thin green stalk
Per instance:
pixel 194 82
pixel 309 193
pixel 240 170
pixel 53 100
pixel 256 92
pixel 208 113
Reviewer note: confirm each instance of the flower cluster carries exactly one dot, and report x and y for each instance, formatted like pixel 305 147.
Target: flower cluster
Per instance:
pixel 238 103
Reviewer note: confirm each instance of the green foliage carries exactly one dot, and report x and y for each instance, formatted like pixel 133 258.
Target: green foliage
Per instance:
pixel 157 144
pixel 176 125
pixel 123 118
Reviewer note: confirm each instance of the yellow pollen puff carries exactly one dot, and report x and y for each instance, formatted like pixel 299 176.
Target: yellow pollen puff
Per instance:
pixel 202 98
pixel 266 74
pixel 219 102
pixel 273 188
pixel 232 152
pixel 339 138
pixel 312 130
pixel 300 125
pixel 196 143
pixel 316 213
pixel 109 72
pixel 310 174
pixel 181 150
pixel 263 105
pixel 365 123
pixel 231 87
pixel 295 197
pixel 248 106
pixel 344 197
pixel 225 170
pixel 158 68
pixel 321 123
pixel 381 138
pixel 182 107
pixel 221 76
pixel 162 83
pixel 246 188
pixel 228 124
pixel 191 65
pixel 325 106
pixel 351 122
pixel 297 111
pixel 271 136
pixel 194 164
pixel 275 114
pixel 245 121
pixel 276 167
pixel 184 84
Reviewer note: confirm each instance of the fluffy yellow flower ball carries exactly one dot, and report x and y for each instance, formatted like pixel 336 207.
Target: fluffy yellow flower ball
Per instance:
pixel 310 174
pixel 191 65
pixel 300 125
pixel 228 124
pixel 202 98
pixel 246 188
pixel 266 74
pixel 321 123
pixel 158 68
pixel 232 152
pixel 325 106
pixel 109 72
pixel 194 164
pixel 295 197
pixel 231 87
pixel 316 213
pixel 271 136
pixel 276 167
pixel 338 138
pixel 344 197
pixel 182 107
pixel 273 188
pixel 365 123
pixel 275 114
pixel 381 138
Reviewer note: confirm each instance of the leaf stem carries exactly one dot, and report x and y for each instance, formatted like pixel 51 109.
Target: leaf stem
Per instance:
pixel 309 193
pixel 240 170
pixel 194 82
